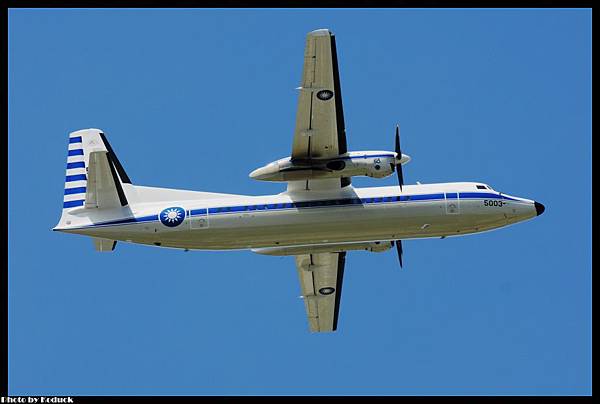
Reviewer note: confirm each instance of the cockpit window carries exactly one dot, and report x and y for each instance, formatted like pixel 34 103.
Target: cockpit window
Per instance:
pixel 481 187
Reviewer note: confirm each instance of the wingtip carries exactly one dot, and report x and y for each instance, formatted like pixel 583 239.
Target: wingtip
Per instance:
pixel 320 32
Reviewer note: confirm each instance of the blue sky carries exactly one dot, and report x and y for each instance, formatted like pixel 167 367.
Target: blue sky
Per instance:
pixel 196 99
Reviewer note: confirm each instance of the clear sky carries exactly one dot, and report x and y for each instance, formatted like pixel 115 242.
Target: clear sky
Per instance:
pixel 196 99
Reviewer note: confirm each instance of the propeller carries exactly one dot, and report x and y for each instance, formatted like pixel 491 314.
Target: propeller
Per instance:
pixel 398 164
pixel 398 244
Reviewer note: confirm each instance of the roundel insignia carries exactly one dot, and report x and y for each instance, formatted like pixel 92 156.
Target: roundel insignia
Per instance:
pixel 324 95
pixel 326 291
pixel 172 217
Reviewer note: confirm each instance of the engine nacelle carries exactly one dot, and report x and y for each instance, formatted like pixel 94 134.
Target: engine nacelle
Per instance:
pixel 377 164
pixel 378 168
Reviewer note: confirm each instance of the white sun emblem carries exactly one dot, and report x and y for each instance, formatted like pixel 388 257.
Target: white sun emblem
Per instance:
pixel 172 215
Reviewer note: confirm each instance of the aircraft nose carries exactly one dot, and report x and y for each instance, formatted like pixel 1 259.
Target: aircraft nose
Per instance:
pixel 539 208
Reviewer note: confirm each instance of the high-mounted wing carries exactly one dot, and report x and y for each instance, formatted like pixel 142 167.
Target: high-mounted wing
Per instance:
pixel 320 131
pixel 321 278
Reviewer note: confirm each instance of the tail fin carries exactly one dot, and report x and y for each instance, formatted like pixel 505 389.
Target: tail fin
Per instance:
pixel 84 155
pixel 95 177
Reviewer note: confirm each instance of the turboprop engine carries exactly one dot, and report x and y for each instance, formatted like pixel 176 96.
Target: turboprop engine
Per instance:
pixel 377 164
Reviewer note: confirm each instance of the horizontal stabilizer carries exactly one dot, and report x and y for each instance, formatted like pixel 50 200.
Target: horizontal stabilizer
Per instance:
pixel 104 244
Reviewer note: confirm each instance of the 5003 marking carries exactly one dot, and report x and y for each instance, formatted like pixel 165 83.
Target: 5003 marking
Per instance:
pixel 493 203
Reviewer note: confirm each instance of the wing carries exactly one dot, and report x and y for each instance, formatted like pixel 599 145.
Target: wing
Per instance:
pixel 321 278
pixel 320 131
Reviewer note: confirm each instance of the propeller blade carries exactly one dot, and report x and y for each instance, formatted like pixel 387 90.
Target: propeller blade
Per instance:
pixel 398 139
pixel 400 175
pixel 399 156
pixel 399 249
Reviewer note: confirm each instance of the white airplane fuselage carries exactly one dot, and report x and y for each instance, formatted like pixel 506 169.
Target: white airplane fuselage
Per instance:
pixel 317 219
pixel 288 219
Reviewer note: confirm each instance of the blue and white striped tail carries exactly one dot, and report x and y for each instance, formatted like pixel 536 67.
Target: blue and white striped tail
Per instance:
pixel 81 143
pixel 96 184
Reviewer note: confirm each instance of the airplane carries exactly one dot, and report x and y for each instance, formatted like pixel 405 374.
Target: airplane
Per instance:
pixel 317 219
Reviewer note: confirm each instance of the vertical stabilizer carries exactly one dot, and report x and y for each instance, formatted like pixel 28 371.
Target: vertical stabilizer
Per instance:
pixel 95 179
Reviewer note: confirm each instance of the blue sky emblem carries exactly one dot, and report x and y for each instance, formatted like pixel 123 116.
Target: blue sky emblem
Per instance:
pixel 172 217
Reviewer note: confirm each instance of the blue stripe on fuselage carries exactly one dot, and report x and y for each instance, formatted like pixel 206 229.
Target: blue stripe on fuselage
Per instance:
pixel 315 204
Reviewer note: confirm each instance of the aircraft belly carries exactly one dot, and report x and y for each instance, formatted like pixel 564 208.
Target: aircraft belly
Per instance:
pixel 318 225
pixel 311 226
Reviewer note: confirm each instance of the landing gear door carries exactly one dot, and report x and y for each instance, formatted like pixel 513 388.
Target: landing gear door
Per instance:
pixel 452 203
pixel 199 220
